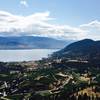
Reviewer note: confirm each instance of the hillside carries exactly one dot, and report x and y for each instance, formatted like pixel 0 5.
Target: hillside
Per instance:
pixel 85 49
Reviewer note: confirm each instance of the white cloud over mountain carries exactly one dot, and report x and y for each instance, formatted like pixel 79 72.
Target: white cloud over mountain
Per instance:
pixel 39 24
pixel 93 29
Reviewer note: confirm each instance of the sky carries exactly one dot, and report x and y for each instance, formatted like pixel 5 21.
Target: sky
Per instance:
pixel 60 19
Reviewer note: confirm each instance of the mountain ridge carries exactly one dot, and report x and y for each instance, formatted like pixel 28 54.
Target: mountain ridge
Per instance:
pixel 86 49
pixel 31 42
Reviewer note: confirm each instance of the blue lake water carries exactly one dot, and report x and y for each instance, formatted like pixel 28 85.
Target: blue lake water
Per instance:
pixel 24 55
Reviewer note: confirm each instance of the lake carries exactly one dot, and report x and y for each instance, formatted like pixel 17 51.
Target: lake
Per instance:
pixel 24 55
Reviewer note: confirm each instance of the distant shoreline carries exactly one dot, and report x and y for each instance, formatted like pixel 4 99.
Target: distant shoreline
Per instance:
pixel 34 49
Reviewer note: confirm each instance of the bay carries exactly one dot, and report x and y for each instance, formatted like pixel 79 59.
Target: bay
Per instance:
pixel 24 55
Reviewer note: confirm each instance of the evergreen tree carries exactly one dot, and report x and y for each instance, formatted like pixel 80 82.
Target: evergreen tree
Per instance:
pixel 85 97
pixel 79 97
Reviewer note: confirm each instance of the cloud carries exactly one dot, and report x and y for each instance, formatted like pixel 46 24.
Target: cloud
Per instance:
pixel 24 3
pixel 39 24
pixel 92 29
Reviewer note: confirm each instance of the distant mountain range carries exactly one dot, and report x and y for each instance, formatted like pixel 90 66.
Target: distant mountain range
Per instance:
pixel 86 49
pixel 31 42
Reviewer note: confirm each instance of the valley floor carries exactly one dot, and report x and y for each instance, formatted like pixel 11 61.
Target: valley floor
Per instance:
pixel 49 80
